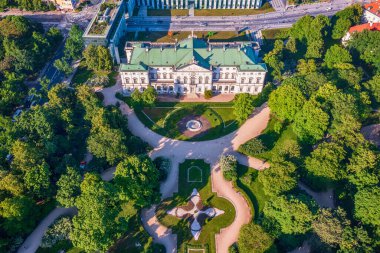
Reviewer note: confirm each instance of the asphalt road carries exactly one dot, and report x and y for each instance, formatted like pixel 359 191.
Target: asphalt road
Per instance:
pixel 278 19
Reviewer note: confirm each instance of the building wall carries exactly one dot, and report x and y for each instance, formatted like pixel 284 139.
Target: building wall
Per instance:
pixel 370 17
pixel 219 80
pixel 201 4
pixel 65 4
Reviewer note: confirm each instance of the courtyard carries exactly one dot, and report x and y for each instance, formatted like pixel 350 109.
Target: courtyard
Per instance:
pixel 195 174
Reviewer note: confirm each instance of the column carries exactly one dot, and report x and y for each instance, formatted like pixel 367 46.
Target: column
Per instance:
pixel 243 4
pixel 224 4
pixel 214 4
pixel 186 4
pixel 233 4
pixel 181 4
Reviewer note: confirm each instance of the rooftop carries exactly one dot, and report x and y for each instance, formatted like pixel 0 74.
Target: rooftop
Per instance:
pixel 373 7
pixel 366 26
pixel 193 50
pixel 107 15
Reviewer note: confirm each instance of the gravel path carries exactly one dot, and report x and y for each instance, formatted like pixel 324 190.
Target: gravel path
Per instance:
pixel 178 151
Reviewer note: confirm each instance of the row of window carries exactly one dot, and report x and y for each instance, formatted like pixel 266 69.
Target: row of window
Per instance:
pixel 200 89
pixel 193 80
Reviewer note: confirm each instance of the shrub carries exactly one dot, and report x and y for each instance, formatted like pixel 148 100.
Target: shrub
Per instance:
pixel 137 146
pixel 59 231
pixel 163 164
pixel 208 94
pixel 98 81
pixel 228 164
pixel 252 147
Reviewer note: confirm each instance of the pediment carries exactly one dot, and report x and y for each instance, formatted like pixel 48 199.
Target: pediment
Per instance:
pixel 193 67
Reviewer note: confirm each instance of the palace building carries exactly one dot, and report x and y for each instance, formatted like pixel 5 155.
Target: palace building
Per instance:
pixel 192 66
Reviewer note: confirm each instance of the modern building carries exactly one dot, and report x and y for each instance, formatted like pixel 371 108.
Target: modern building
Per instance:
pixel 371 12
pixel 109 25
pixel 200 4
pixel 192 66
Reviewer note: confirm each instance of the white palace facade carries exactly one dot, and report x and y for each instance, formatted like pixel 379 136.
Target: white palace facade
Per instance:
pixel 192 66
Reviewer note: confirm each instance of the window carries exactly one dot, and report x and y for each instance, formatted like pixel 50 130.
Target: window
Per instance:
pixel 158 88
pixel 127 80
pixel 135 80
pixel 225 88
pixel 258 80
pixel 233 76
pixel 185 89
pixel 207 79
pixel 242 80
pixel 214 88
pixel 251 80
pixel 199 89
pixel 256 88
pixel 200 79
pixel 171 88
pixel 142 80
pixel 185 79
pixel 164 75
pixel 232 88
pixel 227 75
pixel 152 76
pixel 220 88
pixel 171 76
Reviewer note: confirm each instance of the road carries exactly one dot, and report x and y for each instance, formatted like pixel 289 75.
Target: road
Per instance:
pixel 277 19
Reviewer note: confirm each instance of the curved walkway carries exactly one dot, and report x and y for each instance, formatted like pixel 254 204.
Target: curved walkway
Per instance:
pixel 178 151
pixel 210 151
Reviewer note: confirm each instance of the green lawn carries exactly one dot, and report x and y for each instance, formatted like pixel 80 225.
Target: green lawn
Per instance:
pixel 253 189
pixel 272 34
pixel 165 120
pixel 83 74
pixel 135 234
pixel 181 227
pixel 272 139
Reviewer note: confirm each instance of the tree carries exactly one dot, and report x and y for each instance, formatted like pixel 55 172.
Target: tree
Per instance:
pixel 59 231
pixel 97 58
pixel 37 180
pixel 15 27
pixel 367 203
pixel 366 45
pixel 208 94
pixel 149 96
pixel 243 106
pixel 18 214
pixel 104 140
pixel 330 226
pixel 286 101
pixel 310 123
pixel 11 183
pixel 68 187
pixel 325 163
pixel 373 87
pixel 306 67
pixel 253 239
pixel 274 59
pixel 228 165
pixel 337 55
pixel 362 166
pixel 137 179
pixel 344 19
pixel 291 45
pixel 97 225
pixel 136 98
pixel 252 147
pixel 74 43
pixel 292 214
pixel 279 178
pixel 63 66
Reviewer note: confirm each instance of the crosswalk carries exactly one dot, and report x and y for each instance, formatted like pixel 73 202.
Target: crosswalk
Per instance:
pixel 278 4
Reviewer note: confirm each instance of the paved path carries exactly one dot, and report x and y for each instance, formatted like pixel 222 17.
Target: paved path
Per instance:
pixel 33 241
pixel 178 151
pixel 210 151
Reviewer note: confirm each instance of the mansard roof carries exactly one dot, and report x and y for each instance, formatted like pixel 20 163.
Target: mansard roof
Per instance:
pixel 195 50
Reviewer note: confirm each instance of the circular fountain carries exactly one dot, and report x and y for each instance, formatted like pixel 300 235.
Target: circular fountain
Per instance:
pixel 194 125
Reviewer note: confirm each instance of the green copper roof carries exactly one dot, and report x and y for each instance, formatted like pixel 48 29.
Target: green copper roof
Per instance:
pixel 133 67
pixel 191 50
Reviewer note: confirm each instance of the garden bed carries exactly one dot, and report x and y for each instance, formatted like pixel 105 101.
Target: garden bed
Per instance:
pixel 169 121
pixel 181 227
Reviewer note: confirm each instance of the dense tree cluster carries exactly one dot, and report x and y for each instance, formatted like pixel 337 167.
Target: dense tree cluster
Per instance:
pixel 29 5
pixel 323 99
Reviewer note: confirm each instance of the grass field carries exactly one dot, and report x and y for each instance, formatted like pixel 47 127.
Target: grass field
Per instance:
pixel 163 120
pixel 83 74
pixel 181 227
pixel 164 37
pixel 272 34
